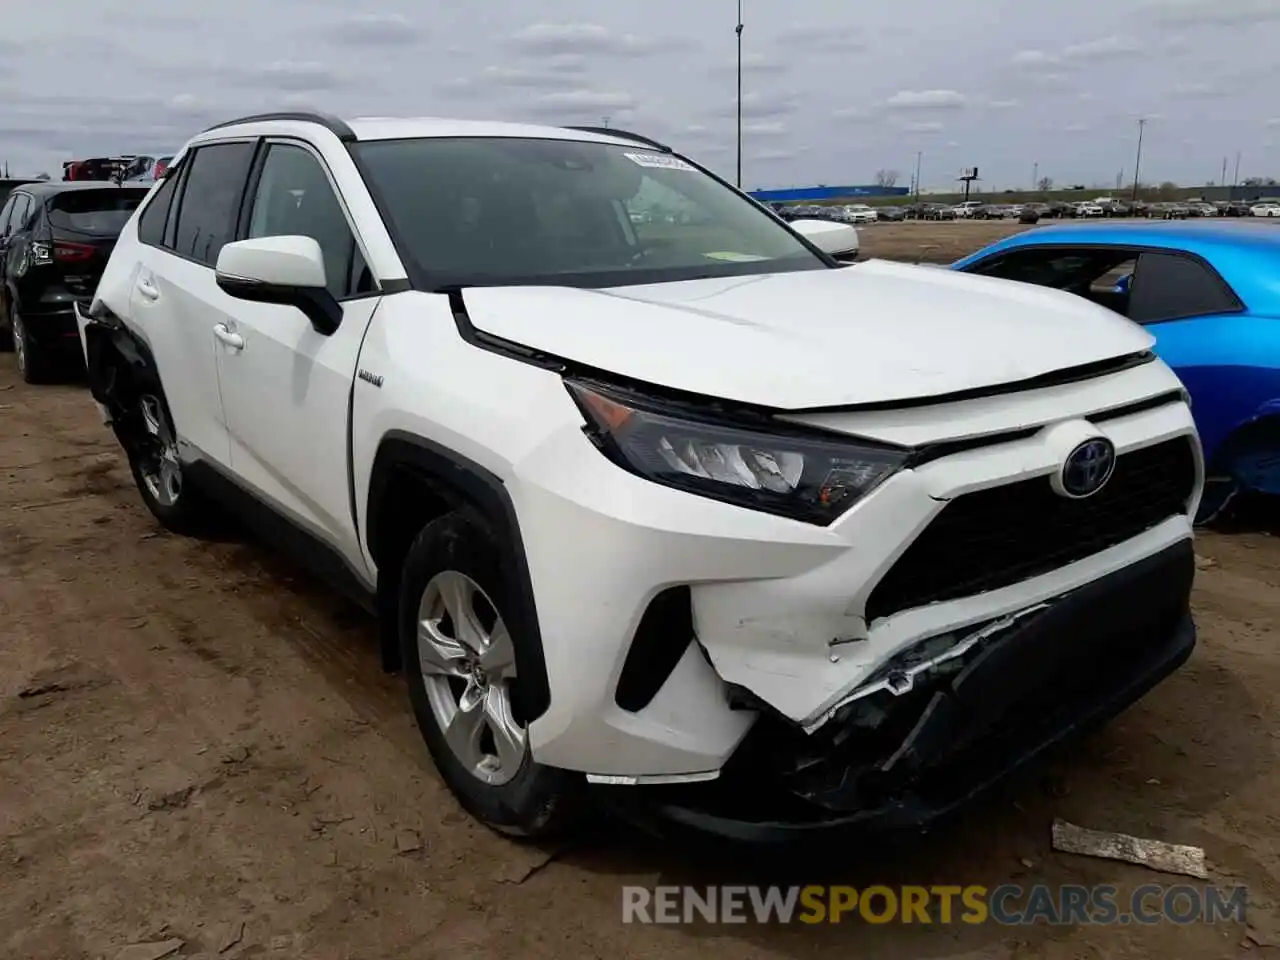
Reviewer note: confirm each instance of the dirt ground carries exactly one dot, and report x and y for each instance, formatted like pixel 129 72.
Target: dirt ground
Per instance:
pixel 196 742
pixel 932 241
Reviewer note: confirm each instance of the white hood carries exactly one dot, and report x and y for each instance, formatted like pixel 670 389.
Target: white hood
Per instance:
pixel 872 333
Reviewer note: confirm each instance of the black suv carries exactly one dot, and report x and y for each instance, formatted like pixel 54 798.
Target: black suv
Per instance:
pixel 55 239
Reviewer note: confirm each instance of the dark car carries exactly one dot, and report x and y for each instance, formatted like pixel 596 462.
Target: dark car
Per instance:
pixel 892 213
pixel 55 238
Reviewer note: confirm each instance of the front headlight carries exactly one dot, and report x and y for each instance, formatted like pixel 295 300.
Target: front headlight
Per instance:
pixel 773 468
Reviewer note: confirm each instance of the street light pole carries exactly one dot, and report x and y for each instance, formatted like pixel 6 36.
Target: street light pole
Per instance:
pixel 1035 175
pixel 738 31
pixel 918 154
pixel 1236 182
pixel 1137 163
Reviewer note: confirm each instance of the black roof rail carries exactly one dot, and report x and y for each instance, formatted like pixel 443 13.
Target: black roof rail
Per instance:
pixel 335 126
pixel 623 135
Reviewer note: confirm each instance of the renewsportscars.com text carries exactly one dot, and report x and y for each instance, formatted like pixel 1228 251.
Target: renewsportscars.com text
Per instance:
pixel 1008 904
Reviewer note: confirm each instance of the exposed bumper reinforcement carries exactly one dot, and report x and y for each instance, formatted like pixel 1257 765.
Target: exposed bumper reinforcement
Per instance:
pixel 1066 669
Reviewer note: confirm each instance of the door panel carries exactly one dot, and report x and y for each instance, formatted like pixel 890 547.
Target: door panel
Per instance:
pixel 1228 364
pixel 175 304
pixel 286 393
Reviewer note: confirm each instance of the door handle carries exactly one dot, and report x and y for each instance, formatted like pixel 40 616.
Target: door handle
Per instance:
pixel 232 340
pixel 148 290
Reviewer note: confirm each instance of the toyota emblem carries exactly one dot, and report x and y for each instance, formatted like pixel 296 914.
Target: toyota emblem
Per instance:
pixel 1087 468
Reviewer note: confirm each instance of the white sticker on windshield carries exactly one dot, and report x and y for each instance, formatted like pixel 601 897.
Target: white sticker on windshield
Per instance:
pixel 659 160
pixel 730 256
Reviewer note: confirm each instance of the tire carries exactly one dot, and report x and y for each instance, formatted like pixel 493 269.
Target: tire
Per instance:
pixel 33 363
pixel 457 557
pixel 146 433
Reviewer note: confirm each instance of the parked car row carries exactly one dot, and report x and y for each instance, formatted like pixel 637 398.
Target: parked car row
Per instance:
pixel 841 213
pixel 1031 212
pixel 126 167
pixel 752 539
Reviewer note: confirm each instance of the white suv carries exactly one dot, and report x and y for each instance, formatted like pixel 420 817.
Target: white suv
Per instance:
pixel 686 508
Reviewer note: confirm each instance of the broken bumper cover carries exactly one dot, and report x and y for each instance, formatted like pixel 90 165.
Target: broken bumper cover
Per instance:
pixel 1073 665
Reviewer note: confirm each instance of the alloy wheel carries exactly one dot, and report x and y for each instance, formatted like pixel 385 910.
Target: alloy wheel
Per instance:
pixel 160 467
pixel 468 665
pixel 19 333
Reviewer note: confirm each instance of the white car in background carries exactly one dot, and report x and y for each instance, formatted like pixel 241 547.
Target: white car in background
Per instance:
pixel 860 213
pixel 1088 208
pixel 1265 210
pixel 967 208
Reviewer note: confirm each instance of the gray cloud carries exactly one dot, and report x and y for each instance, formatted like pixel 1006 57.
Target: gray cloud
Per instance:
pixel 1215 13
pixel 590 38
pixel 377 29
pixel 805 39
pixel 926 100
pixel 1107 48
pixel 834 91
pixel 754 65
pixel 579 103
pixel 291 76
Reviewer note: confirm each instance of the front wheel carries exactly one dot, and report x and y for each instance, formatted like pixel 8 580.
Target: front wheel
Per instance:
pixel 460 659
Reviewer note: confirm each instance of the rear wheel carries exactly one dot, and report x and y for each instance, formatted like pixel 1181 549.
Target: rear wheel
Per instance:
pixel 33 364
pixel 150 443
pixel 460 660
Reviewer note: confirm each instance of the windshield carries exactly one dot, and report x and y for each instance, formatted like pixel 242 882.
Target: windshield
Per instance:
pixel 500 210
pixel 101 212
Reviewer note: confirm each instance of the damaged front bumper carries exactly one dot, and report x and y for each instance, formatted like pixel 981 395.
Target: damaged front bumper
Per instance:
pixel 904 756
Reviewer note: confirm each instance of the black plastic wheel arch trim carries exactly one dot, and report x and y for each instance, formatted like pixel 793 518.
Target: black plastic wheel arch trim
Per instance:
pixel 463 482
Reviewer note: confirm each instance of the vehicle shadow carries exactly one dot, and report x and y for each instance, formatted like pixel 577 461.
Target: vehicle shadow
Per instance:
pixel 1249 513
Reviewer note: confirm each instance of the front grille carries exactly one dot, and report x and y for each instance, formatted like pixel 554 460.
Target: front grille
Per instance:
pixel 992 538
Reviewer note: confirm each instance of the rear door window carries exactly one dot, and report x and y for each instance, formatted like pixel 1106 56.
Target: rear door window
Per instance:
pixel 210 200
pixel 101 213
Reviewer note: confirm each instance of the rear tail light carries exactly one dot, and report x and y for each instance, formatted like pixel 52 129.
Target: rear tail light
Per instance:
pixel 66 252
pixel 161 167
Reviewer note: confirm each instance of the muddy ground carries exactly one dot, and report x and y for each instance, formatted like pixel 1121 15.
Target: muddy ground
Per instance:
pixel 196 742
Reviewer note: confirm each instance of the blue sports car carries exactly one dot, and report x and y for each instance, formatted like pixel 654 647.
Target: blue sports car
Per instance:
pixel 1209 292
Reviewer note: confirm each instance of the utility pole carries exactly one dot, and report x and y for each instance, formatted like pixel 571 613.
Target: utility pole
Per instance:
pixel 918 154
pixel 1236 181
pixel 1223 181
pixel 605 121
pixel 1035 175
pixel 738 31
pixel 1137 163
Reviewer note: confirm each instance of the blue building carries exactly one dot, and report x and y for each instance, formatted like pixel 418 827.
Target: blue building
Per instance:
pixel 822 192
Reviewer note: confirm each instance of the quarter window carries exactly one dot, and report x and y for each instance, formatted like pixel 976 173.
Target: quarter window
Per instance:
pixel 210 200
pixel 1168 286
pixel 154 218
pixel 21 213
pixel 295 198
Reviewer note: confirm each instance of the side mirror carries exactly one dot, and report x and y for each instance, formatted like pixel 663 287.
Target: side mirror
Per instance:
pixel 840 240
pixel 283 270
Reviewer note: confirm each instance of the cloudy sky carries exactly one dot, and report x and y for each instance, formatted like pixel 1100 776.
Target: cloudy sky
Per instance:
pixel 834 90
